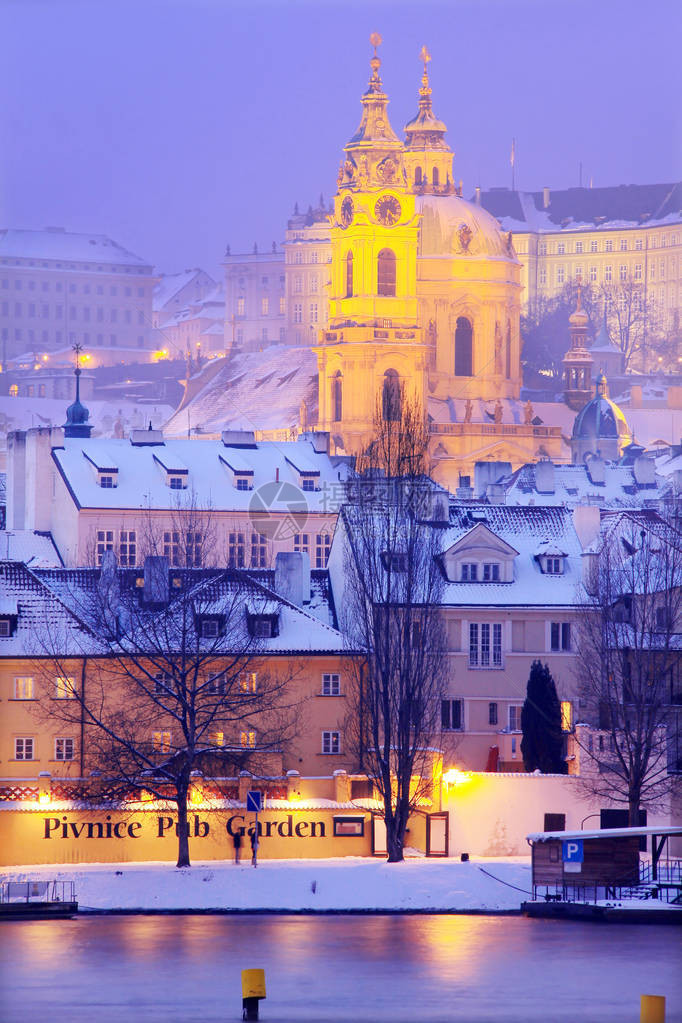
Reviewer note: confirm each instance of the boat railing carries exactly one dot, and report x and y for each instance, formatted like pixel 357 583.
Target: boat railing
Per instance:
pixel 37 891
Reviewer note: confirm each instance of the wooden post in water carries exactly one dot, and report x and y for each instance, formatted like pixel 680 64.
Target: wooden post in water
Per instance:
pixel 652 1009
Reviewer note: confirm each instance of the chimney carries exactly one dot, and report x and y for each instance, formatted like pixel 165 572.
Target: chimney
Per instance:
pixel 292 577
pixel 239 439
pixel 478 195
pixel 156 590
pixel 596 469
pixel 587 523
pixel 644 471
pixel 319 440
pixel 545 197
pixel 544 476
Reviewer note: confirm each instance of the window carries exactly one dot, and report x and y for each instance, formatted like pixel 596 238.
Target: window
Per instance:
pixel 23 688
pixel 608 274
pixel 554 566
pixel 451 715
pixel 463 348
pixel 241 305
pixel 298 284
pixel 491 573
pixel 105 542
pixel 515 718
pixel 259 550
pixel 262 627
pixel 469 572
pixel 560 249
pixel 210 628
pixel 247 739
pixel 609 245
pixel 64 688
pixel 638 244
pixel 331 742
pixel 216 738
pixel 485 645
pixel 623 245
pixel 308 484
pixel 638 271
pixel 162 683
pixel 623 272
pixel 171 547
pixel 193 550
pixel 265 306
pixel 566 716
pixel 331 684
pixel 337 396
pixel 594 246
pixel 492 713
pixel 248 681
pixel 23 748
pixel 63 749
pixel 127 547
pixel 242 482
pixel 578 248
pixel 298 312
pixel 313 312
pixel 560 274
pixel 161 742
pixel 390 397
pixel 386 272
pixel 282 305
pixel 302 543
pixel 176 482
pixel 435 177
pixel 560 638
pixel 349 274
pixel 323 545
pixel 543 276
pixel 236 550
pixel 593 274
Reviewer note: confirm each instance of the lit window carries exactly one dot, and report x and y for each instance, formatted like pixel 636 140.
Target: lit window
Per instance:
pixel 63 749
pixel 64 688
pixel 331 742
pixel 331 684
pixel 248 681
pixel 247 740
pixel 240 306
pixel 161 742
pixel 566 716
pixel 216 738
pixel 265 306
pixel 282 305
pixel 23 688
pixel 23 748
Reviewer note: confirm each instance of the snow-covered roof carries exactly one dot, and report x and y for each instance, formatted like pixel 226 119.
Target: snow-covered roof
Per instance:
pixel 56 243
pixel 29 547
pixel 643 832
pixel 169 285
pixel 141 484
pixel 54 611
pixel 107 417
pixel 572 486
pixel 251 391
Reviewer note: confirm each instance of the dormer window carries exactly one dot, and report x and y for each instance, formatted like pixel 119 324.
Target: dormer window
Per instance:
pixel 5 627
pixel 105 467
pixel 9 614
pixel 107 481
pixel 262 618
pixel 176 482
pixel 491 572
pixel 239 469
pixel 262 627
pixel 307 483
pixel 469 573
pixel 243 482
pixel 554 566
pixel 210 628
pixel 550 558
pixel 177 474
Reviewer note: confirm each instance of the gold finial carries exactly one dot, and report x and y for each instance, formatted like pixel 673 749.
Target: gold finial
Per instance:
pixel 424 56
pixel 375 40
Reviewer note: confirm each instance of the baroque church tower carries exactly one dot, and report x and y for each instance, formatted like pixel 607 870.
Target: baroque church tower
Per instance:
pixel 372 345
pixel 425 296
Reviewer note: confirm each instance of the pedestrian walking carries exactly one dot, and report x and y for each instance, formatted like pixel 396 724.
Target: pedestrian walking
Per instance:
pixel 254 847
pixel 237 842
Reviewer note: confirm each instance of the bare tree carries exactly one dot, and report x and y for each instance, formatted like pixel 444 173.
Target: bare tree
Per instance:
pixel 633 319
pixel 391 615
pixel 629 659
pixel 172 678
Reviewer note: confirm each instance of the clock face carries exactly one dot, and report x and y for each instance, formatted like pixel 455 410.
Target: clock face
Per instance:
pixel 387 210
pixel 347 211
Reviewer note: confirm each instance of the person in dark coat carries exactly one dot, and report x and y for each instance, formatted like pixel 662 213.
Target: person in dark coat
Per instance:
pixel 254 846
pixel 237 843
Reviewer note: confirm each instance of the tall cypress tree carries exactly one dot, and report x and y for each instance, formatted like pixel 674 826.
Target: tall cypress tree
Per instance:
pixel 542 742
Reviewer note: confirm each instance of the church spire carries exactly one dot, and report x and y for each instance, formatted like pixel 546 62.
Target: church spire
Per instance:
pixel 428 156
pixel 77 415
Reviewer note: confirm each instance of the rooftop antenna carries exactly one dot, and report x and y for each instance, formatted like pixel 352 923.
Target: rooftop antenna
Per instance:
pixel 512 160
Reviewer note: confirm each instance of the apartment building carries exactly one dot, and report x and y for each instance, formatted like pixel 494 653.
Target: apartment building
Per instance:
pixel 59 288
pixel 308 255
pixel 255 299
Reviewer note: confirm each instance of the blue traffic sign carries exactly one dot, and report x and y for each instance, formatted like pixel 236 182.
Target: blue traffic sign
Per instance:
pixel 572 850
pixel 254 801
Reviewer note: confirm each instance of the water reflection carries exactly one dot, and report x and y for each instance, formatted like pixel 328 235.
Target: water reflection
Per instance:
pixel 178 969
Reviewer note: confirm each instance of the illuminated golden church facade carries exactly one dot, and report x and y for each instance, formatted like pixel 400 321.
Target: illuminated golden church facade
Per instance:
pixel 425 295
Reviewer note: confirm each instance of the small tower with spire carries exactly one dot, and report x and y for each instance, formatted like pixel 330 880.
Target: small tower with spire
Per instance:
pixel 428 157
pixel 77 415
pixel 577 362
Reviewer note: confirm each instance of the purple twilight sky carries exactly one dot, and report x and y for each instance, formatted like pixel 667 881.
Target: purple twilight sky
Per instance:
pixel 176 126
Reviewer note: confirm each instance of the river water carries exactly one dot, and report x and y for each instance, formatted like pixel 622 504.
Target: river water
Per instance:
pixel 182 969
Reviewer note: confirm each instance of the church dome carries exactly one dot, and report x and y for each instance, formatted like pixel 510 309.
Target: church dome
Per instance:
pixel 601 418
pixel 451 226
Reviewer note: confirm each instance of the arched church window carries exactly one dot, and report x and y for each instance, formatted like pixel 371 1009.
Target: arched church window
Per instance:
pixel 390 396
pixel 435 177
pixel 507 352
pixel 349 274
pixel 463 348
pixel 418 176
pixel 337 397
pixel 386 272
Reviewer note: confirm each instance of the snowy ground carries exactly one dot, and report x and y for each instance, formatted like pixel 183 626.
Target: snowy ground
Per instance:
pixel 294 885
